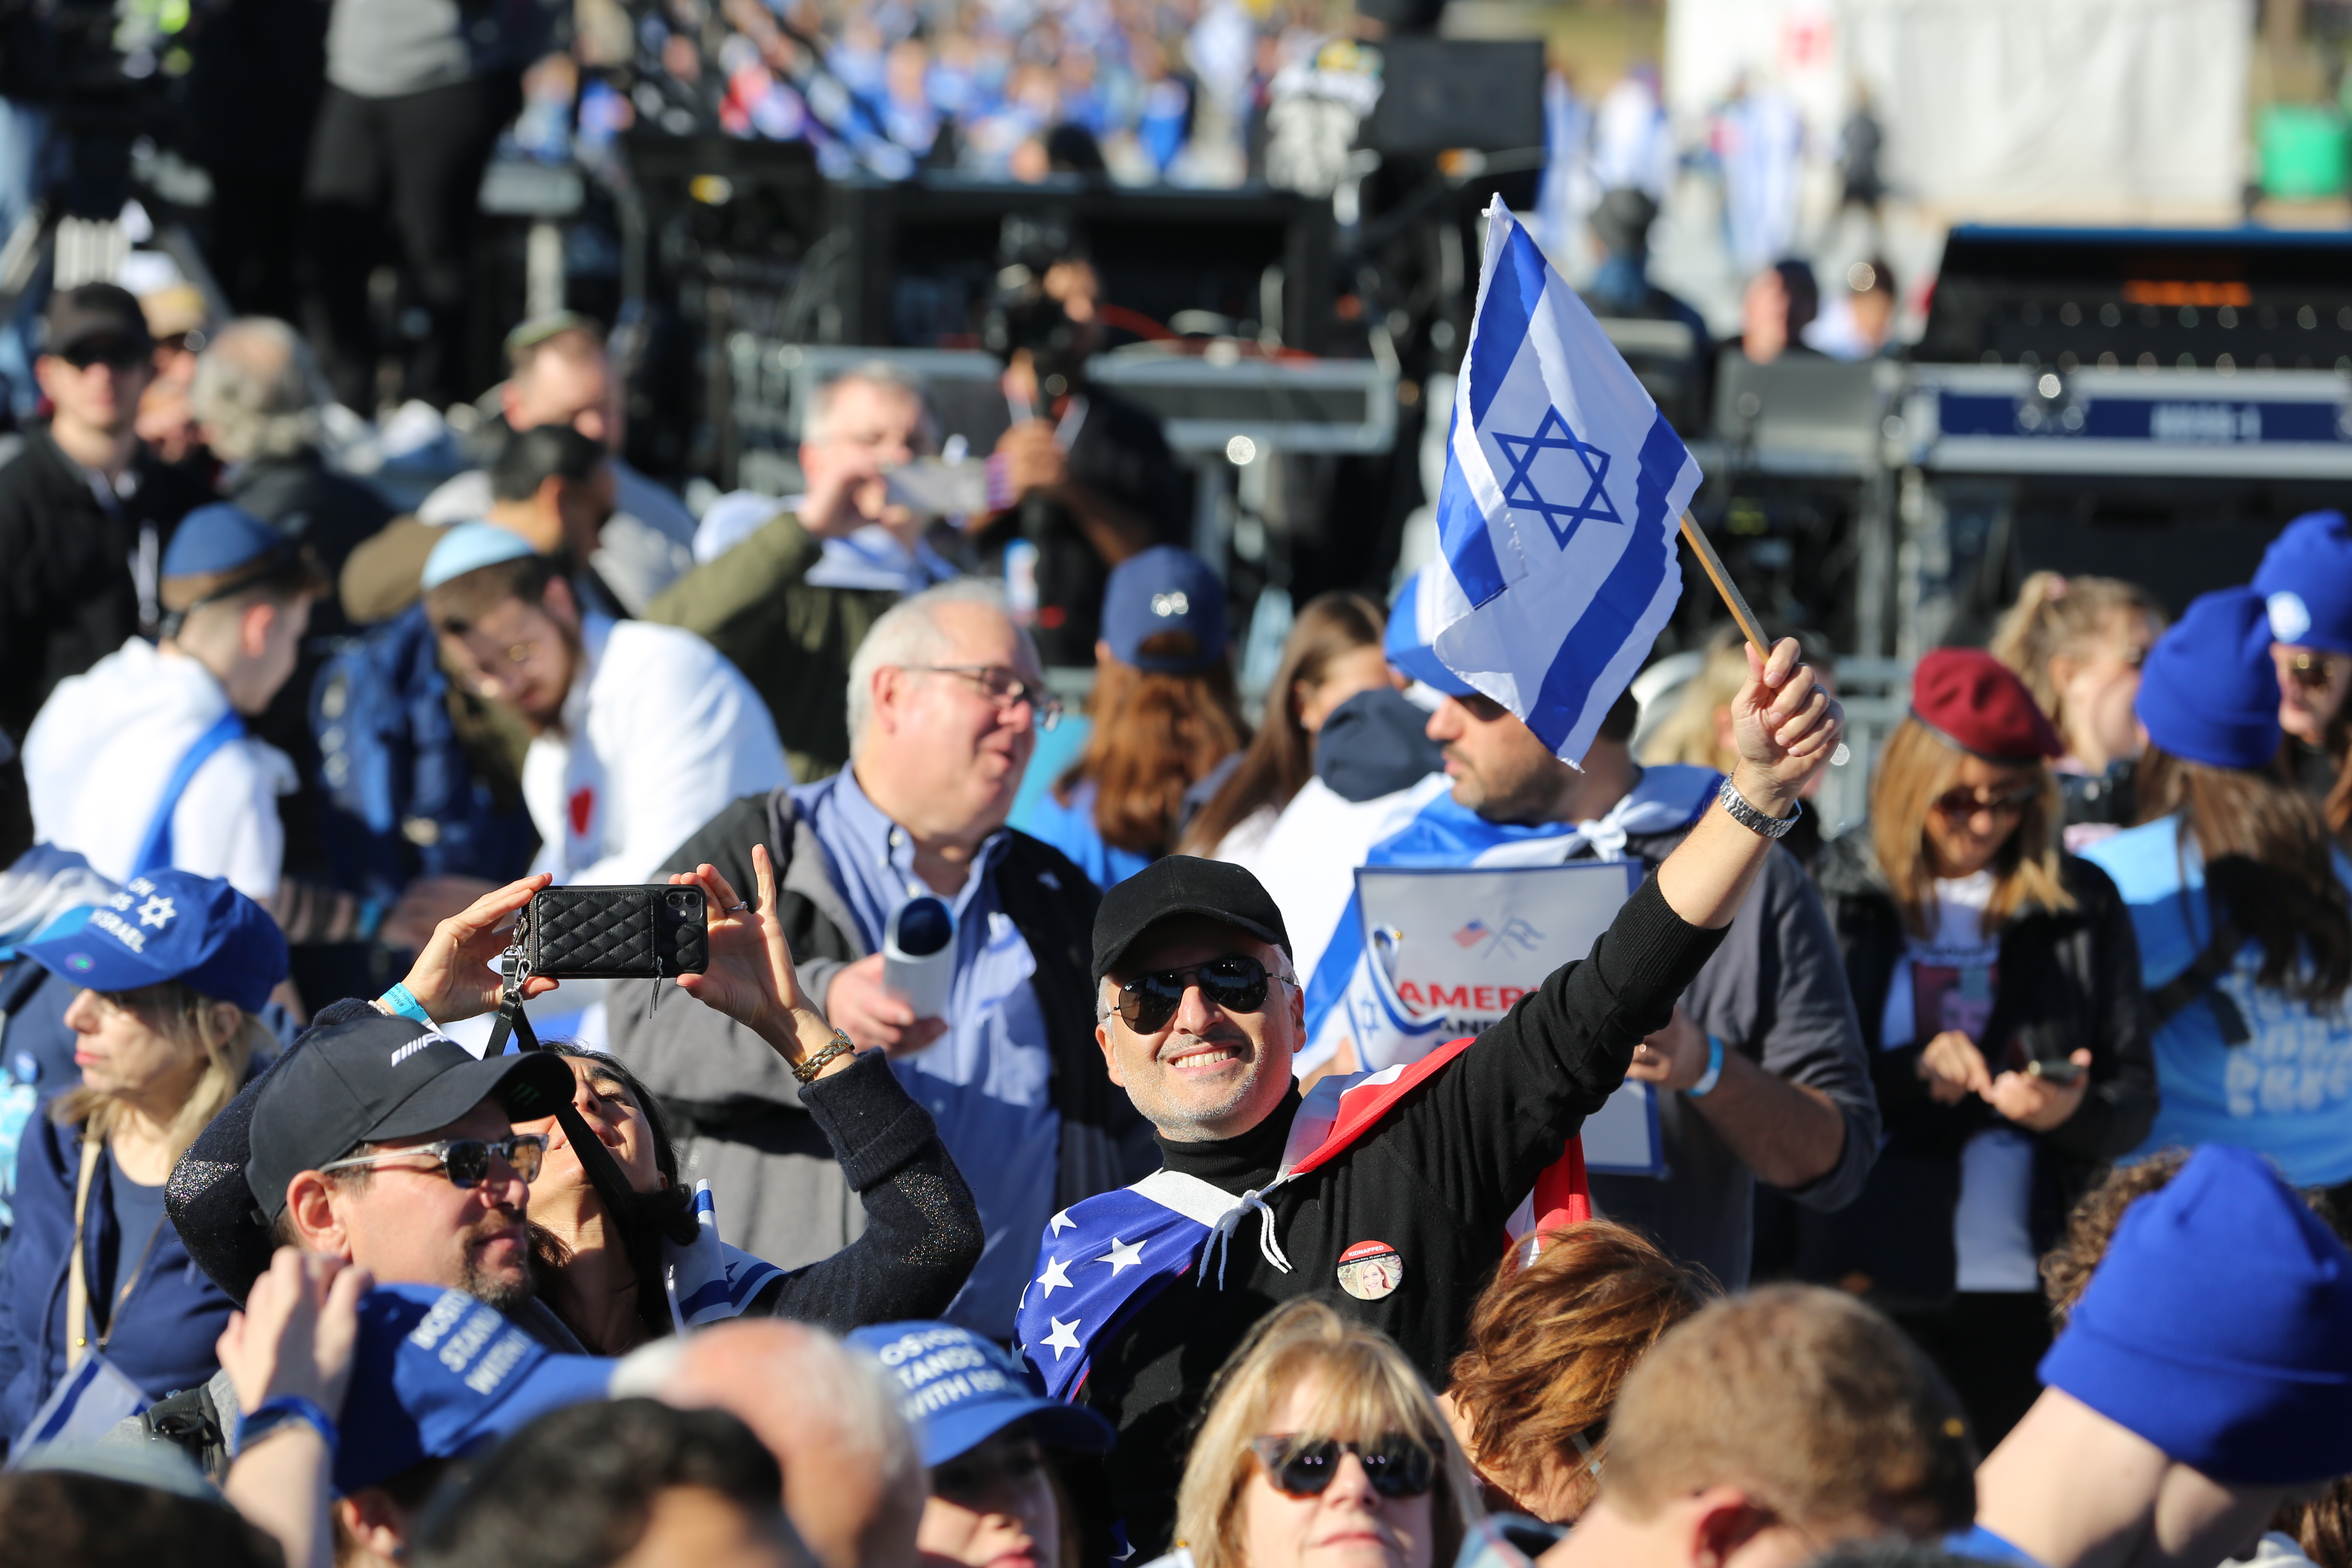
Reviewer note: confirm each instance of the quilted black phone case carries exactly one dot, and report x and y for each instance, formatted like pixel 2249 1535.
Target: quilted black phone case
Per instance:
pixel 614 933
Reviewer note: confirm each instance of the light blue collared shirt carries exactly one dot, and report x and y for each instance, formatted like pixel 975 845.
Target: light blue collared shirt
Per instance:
pixel 987 1080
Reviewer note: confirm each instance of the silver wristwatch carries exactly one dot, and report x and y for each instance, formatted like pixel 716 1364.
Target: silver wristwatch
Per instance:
pixel 1749 817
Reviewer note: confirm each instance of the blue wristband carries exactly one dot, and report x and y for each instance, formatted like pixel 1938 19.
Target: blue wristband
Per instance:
pixel 252 1425
pixel 1707 1081
pixel 404 1002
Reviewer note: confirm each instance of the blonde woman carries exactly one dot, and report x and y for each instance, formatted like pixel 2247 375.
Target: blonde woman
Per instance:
pixel 1997 982
pixel 1322 1448
pixel 173 970
pixel 2077 643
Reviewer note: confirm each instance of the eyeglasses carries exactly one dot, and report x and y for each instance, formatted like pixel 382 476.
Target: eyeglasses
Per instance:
pixel 464 1161
pixel 1398 1464
pixel 2312 671
pixel 1004 689
pixel 1236 982
pixel 1966 801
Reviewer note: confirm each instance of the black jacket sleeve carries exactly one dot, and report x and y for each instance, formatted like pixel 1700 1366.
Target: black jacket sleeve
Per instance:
pixel 922 1229
pixel 2120 1105
pixel 1490 1124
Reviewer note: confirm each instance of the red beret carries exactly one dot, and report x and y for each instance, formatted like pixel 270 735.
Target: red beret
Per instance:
pixel 1974 701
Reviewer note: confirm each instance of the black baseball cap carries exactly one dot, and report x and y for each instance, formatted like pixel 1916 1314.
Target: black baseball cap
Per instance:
pixel 94 310
pixel 1184 885
pixel 374 1077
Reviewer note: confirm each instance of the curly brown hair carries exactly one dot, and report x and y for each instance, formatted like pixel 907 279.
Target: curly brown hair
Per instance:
pixel 2066 1268
pixel 1551 1343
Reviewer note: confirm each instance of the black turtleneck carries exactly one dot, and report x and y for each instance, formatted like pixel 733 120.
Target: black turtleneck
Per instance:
pixel 1436 1180
pixel 1238 1164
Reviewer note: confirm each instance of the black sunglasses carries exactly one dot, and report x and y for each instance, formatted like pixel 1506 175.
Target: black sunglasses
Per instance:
pixel 1236 982
pixel 1398 1464
pixel 120 353
pixel 1965 802
pixel 464 1161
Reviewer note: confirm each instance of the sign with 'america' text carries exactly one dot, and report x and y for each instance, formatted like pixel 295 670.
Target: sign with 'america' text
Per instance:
pixel 1466 944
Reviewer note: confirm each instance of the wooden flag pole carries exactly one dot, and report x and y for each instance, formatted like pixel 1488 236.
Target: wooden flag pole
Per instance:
pixel 1749 626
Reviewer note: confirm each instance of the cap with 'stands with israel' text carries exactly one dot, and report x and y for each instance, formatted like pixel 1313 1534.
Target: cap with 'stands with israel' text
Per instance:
pixel 1183 885
pixel 958 1390
pixel 372 1078
pixel 436 1373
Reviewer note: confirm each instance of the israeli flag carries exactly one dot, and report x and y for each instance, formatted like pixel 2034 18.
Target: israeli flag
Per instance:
pixel 1556 523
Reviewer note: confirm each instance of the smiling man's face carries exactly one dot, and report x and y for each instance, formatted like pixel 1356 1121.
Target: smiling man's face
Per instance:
pixel 1208 1072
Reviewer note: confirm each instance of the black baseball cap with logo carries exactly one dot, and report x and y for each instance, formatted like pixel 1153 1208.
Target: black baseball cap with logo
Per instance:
pixel 374 1078
pixel 1184 885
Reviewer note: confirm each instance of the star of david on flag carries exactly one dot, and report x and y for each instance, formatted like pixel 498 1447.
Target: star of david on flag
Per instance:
pixel 1555 522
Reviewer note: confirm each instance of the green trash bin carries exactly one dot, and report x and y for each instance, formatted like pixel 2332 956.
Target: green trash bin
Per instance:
pixel 2303 152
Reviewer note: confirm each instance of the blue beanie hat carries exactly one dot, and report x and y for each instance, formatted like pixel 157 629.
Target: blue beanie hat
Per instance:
pixel 1164 589
pixel 2209 692
pixel 2219 1327
pixel 2306 582
pixel 469 547
pixel 1407 645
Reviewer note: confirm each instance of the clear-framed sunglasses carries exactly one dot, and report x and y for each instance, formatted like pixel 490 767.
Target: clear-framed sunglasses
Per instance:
pixel 464 1161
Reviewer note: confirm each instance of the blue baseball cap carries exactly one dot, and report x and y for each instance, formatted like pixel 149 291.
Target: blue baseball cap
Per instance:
pixel 2219 1327
pixel 1164 590
pixel 958 1390
pixel 1407 646
pixel 221 538
pixel 2306 582
pixel 171 925
pixel 469 547
pixel 2209 691
pixel 436 1373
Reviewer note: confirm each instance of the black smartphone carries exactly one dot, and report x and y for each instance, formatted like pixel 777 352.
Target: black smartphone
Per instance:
pixel 614 933
pixel 2054 1070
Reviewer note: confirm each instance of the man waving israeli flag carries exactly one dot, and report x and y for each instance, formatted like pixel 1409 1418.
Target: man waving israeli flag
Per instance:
pixel 1556 523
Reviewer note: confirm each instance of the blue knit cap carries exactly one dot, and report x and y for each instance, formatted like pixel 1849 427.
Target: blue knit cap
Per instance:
pixel 2209 692
pixel 2306 582
pixel 2219 1327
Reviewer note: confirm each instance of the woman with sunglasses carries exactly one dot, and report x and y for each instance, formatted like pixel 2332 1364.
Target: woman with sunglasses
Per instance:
pixel 2243 905
pixel 2305 585
pixel 1997 981
pixel 1321 1449
pixel 173 970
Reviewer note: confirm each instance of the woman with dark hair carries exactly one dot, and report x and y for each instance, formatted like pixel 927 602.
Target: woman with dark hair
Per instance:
pixel 1333 652
pixel 1998 986
pixel 625 1252
pixel 2240 903
pixel 1164 714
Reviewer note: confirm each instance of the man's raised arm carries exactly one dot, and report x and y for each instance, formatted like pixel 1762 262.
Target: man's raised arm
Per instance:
pixel 1786 728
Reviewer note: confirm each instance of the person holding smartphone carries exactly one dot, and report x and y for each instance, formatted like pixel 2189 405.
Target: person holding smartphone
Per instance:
pixel 1998 981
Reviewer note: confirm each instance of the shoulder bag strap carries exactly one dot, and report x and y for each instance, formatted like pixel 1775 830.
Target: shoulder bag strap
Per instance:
pixel 77 1281
pixel 155 847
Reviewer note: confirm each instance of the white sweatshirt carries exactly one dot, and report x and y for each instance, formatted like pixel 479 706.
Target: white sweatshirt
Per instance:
pixel 659 733
pixel 106 743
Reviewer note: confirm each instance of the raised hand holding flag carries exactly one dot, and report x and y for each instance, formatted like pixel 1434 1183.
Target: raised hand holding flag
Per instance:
pixel 1556 521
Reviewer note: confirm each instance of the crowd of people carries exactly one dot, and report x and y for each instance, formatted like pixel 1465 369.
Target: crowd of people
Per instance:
pixel 1999 1143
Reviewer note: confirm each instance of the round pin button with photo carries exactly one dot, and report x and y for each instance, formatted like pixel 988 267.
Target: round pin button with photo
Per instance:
pixel 1370 1270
